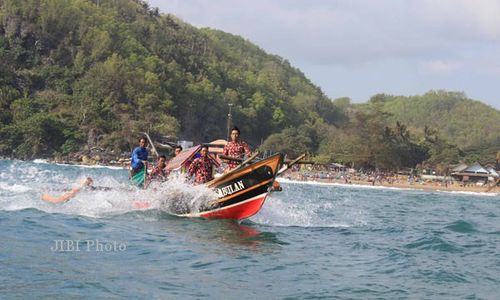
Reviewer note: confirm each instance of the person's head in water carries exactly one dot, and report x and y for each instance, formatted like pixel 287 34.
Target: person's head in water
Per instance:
pixel 88 181
pixel 178 149
pixel 235 134
pixel 204 150
pixel 143 142
pixel 162 161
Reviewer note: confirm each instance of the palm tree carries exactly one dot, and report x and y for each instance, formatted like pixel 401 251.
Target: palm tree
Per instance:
pixel 498 160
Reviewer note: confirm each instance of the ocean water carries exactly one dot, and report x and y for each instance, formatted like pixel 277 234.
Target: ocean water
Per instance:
pixel 311 241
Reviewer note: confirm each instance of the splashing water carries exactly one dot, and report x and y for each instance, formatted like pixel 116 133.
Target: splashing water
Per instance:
pixel 23 183
pixel 295 206
pixel 177 196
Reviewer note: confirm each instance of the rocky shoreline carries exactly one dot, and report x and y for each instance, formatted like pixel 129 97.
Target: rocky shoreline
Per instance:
pixel 102 159
pixel 94 157
pixel 92 161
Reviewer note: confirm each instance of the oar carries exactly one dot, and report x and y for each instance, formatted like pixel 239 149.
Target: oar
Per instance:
pixel 214 145
pixel 246 161
pixel 288 165
pixel 225 157
pixel 296 161
pixel 250 158
pixel 302 162
pixel 151 143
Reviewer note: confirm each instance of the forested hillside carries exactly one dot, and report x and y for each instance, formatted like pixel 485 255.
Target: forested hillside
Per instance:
pixel 436 129
pixel 462 121
pixel 78 74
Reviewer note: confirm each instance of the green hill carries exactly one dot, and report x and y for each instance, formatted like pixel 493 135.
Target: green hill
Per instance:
pixel 465 122
pixel 77 74
pixel 437 129
pixel 471 125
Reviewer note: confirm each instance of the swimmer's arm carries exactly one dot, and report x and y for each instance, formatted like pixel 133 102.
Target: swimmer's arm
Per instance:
pixel 63 198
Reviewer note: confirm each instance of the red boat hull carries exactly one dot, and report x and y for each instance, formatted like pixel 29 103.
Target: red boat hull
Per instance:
pixel 239 211
pixel 242 192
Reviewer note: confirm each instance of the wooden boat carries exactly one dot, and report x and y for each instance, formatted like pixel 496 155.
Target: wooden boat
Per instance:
pixel 242 192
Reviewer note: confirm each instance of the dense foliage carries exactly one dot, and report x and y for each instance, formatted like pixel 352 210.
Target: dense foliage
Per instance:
pixel 101 71
pixel 79 74
pixel 436 129
pixel 466 128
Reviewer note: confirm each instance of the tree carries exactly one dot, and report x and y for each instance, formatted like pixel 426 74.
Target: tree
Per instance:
pixel 498 160
pixel 288 141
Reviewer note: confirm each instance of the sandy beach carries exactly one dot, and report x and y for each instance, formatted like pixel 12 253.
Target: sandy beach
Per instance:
pixel 402 183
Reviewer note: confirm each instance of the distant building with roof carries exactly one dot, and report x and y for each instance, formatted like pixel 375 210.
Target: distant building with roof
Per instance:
pixel 474 173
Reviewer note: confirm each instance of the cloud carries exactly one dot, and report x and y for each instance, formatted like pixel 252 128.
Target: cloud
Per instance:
pixel 441 66
pixel 451 41
pixel 462 19
pixel 348 32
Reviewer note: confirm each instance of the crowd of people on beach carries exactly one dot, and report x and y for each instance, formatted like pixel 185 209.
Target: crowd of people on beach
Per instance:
pixel 388 179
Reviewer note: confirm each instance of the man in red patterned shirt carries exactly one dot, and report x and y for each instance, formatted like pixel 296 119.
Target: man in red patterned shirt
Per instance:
pixel 202 167
pixel 235 148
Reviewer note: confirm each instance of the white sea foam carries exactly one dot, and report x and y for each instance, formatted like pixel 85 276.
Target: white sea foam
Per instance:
pixel 40 161
pixel 45 161
pixel 92 166
pixel 471 193
pixel 309 213
pixel 14 188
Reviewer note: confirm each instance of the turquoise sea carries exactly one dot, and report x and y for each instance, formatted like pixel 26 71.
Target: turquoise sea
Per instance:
pixel 311 241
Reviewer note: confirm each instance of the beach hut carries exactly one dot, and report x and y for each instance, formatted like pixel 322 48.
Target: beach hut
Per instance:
pixel 475 173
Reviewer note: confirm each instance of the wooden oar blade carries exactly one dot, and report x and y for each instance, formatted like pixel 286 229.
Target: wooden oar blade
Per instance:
pixel 225 157
pixel 290 163
pixel 252 157
pixel 295 161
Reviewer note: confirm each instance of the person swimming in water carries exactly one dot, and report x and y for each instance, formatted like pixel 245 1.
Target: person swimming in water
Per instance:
pixel 86 184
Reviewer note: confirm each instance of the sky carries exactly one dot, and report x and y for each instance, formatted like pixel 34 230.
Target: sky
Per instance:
pixel 359 48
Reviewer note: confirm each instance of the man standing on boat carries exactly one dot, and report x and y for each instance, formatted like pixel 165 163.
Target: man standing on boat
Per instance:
pixel 202 167
pixel 139 157
pixel 235 148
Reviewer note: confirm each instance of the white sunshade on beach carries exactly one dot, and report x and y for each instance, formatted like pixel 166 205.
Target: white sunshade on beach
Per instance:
pixel 493 172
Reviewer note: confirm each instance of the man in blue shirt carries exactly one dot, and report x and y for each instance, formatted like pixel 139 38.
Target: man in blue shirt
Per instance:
pixel 139 157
